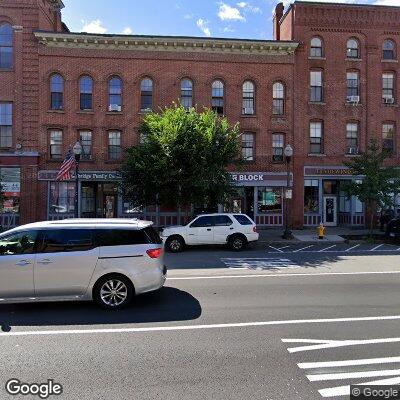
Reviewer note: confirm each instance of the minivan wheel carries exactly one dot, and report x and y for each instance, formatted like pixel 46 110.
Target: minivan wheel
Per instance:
pixel 175 244
pixel 113 292
pixel 237 243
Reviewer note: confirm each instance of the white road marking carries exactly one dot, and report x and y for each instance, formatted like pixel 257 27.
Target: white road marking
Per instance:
pixel 353 375
pixel 352 248
pixel 198 327
pixel 376 247
pixel 345 390
pixel 307 247
pixel 327 248
pixel 274 248
pixel 347 363
pixel 259 263
pixel 280 275
pixel 338 343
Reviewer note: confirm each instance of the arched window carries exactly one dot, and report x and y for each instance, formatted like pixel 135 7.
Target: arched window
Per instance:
pixel 316 49
pixel 115 94
pixel 248 98
pixel 86 93
pixel 187 93
pixel 6 46
pixel 353 50
pixel 278 103
pixel 217 102
pixel 146 94
pixel 56 92
pixel 389 50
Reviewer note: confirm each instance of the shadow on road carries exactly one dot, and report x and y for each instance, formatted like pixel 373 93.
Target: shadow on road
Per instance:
pixel 168 304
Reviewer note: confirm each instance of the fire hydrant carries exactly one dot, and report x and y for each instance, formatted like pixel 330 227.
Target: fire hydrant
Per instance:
pixel 321 231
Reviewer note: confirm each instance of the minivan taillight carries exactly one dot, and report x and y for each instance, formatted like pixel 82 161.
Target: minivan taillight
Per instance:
pixel 155 253
pixel 255 228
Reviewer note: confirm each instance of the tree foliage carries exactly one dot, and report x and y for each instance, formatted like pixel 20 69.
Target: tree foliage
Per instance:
pixel 378 182
pixel 182 159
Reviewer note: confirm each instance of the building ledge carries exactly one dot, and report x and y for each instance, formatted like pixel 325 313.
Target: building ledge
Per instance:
pixel 166 43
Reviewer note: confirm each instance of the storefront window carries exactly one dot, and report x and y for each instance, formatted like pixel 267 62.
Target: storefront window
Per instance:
pixel 11 186
pixel 269 200
pixel 344 203
pixel 311 196
pixel 359 204
pixel 62 197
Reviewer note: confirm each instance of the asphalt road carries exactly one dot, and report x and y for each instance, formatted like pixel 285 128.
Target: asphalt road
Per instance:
pixel 301 329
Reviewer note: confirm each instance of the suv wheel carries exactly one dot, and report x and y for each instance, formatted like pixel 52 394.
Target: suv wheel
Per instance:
pixel 237 243
pixel 113 292
pixel 175 244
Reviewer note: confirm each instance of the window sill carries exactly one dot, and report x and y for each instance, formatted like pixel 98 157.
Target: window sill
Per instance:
pixel 249 115
pixel 317 103
pixel 85 112
pixel 316 155
pixel 114 113
pixel 316 58
pixel 91 161
pixel 56 111
pixel 54 160
pixel 390 105
pixel 7 70
pixel 144 112
pixel 347 103
pixel 390 61
pixel 352 155
pixel 353 59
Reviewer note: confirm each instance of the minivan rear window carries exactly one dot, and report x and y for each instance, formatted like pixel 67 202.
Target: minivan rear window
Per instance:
pixel 243 219
pixel 66 240
pixel 120 237
pixel 152 235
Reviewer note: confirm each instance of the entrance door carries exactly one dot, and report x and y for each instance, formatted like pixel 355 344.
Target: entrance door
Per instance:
pixel 330 211
pixel 110 203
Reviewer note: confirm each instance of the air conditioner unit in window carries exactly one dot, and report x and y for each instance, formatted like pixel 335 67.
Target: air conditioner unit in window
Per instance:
pixel 353 99
pixel 388 99
pixel 114 107
pixel 248 111
pixel 352 150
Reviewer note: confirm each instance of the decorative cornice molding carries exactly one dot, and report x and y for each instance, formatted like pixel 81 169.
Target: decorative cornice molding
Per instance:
pixel 171 44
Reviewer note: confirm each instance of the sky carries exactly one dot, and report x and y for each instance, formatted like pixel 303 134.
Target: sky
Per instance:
pixel 250 19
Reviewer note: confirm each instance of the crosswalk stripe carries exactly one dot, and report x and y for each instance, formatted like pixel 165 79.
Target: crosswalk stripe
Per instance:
pixel 346 363
pixel 345 390
pixel 353 375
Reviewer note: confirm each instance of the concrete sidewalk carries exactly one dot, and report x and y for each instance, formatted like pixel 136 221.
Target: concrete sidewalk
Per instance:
pixel 309 235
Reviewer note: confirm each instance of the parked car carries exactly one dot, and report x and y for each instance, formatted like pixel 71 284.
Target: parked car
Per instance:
pixel 235 230
pixel 108 261
pixel 393 229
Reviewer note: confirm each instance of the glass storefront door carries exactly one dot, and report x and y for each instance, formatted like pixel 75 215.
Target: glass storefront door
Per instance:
pixel 99 200
pixel 330 210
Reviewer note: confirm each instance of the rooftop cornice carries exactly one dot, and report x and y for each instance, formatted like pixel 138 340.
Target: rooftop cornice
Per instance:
pixel 166 43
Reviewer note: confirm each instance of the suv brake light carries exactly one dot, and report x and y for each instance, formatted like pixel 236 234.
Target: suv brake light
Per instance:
pixel 154 253
pixel 255 228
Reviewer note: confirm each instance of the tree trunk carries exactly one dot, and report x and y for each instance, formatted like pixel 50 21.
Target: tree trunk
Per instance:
pixel 371 222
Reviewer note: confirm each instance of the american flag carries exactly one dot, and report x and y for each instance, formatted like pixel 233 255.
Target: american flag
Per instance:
pixel 68 164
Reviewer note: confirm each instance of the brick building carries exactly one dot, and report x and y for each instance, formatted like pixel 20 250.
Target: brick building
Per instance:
pixel 321 85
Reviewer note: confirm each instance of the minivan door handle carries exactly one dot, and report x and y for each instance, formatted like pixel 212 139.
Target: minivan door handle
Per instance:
pixel 45 261
pixel 23 263
pixel 209 229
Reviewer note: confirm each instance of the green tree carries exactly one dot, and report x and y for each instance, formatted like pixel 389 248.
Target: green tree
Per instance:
pixel 182 159
pixel 378 182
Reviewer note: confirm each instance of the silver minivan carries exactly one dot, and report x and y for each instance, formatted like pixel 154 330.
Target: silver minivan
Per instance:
pixel 105 260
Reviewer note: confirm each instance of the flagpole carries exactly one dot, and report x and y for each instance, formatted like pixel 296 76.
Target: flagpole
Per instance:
pixel 77 149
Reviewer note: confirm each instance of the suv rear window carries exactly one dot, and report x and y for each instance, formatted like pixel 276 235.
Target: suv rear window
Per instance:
pixel 152 235
pixel 243 219
pixel 119 237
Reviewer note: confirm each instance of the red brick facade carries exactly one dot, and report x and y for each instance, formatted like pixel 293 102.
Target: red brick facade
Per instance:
pixel 42 46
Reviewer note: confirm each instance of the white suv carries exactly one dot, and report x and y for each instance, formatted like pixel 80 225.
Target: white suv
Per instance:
pixel 236 230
